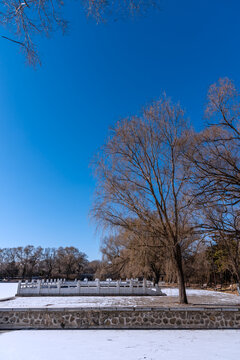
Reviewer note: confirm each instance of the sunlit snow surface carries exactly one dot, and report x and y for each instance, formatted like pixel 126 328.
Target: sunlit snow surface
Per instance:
pixel 195 296
pixel 120 344
pixel 117 344
pixel 7 290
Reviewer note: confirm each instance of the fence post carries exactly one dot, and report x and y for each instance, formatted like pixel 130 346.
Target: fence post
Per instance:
pixel 98 286
pixel 19 287
pixel 59 286
pixel 144 286
pixel 118 287
pixel 38 286
pixel 78 287
pixel 157 288
pixel 131 286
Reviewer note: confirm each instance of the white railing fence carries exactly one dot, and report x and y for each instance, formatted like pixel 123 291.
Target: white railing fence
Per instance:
pixel 97 287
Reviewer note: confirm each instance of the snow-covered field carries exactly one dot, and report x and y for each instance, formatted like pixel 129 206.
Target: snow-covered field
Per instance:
pixel 7 290
pixel 195 296
pixel 117 344
pixel 120 344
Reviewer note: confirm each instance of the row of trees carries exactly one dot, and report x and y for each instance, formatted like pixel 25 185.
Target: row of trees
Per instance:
pixel 170 190
pixel 29 261
pixel 123 256
pixel 129 256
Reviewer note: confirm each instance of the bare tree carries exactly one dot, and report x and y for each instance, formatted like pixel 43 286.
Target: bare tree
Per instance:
pixel 10 262
pixel 223 226
pixel 70 261
pixel 215 152
pixel 29 261
pixel 141 175
pixel 215 155
pixel 28 257
pixel 26 18
pixel 127 254
pixel 92 267
pixel 198 265
pixel 49 261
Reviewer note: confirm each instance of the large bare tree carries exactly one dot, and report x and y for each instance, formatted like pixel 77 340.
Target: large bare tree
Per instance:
pixel 215 156
pixel 141 175
pixel 127 254
pixel 215 151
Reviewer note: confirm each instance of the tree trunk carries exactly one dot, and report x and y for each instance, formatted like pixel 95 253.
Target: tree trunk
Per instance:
pixel 181 282
pixel 156 274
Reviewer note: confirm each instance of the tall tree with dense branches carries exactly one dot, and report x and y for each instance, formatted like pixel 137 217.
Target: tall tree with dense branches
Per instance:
pixel 215 159
pixel 215 152
pixel 141 175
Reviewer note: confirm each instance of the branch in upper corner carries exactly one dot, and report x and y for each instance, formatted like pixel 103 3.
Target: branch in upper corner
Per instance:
pixel 27 18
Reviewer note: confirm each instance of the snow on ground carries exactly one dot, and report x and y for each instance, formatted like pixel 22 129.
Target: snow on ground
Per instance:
pixel 7 290
pixel 78 301
pixel 175 292
pixel 195 297
pixel 217 296
pixel 120 344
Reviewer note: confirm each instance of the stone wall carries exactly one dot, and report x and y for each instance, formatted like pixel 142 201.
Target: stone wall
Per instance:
pixel 121 318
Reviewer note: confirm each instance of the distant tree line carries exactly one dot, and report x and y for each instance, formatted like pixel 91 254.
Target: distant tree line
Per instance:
pixel 123 256
pixel 171 195
pixel 29 261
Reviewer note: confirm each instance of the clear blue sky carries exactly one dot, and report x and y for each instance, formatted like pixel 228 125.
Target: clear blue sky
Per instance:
pixel 54 118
